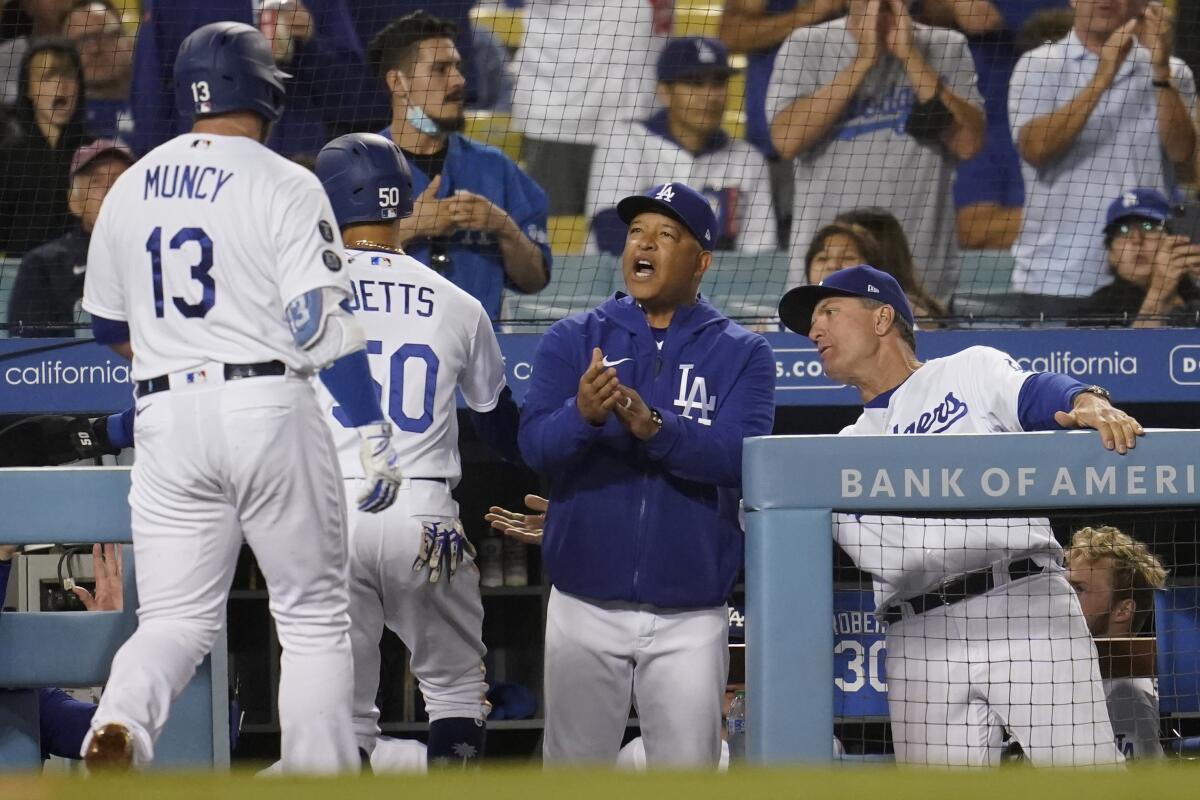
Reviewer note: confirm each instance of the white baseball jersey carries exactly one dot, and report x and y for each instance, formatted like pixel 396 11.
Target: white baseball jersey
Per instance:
pixel 973 391
pixel 180 254
pixel 425 338
pixel 732 175
pixel 575 76
pixel 1133 709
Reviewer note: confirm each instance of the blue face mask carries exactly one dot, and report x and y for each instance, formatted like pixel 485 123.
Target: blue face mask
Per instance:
pixel 417 117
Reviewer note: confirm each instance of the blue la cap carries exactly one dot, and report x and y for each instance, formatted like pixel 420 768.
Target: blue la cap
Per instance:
pixel 796 307
pixel 1147 203
pixel 693 57
pixel 679 201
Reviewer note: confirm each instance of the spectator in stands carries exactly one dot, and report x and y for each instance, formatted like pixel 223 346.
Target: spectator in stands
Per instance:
pixel 477 218
pixel 895 256
pixel 106 51
pixel 314 41
pixel 757 28
pixel 684 142
pixel 836 246
pixel 879 110
pixel 988 191
pixel 49 285
pixel 38 137
pixel 1156 275
pixel 21 20
pixel 581 67
pixel 64 721
pixel 1115 577
pixel 1105 108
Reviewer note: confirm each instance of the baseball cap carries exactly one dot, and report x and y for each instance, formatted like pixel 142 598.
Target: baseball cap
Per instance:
pixel 679 201
pixel 691 57
pixel 796 307
pixel 90 152
pixel 1146 203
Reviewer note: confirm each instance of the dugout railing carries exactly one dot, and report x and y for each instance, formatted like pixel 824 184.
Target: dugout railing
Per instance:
pixel 793 484
pixel 56 505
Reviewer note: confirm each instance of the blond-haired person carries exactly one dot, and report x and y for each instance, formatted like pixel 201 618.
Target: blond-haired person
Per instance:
pixel 1115 577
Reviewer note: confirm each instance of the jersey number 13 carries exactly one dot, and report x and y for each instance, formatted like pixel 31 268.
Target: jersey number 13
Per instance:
pixel 200 271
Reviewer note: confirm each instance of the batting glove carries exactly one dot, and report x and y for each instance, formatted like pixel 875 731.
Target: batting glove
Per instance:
pixel 443 545
pixel 380 468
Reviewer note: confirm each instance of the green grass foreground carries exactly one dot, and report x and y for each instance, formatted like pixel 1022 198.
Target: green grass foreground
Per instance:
pixel 529 783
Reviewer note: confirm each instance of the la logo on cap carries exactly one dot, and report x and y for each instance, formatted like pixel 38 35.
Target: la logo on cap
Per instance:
pixel 705 53
pixel 666 194
pixel 1129 199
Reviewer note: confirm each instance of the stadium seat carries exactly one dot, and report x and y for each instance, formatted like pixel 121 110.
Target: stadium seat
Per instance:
pixel 984 284
pixel 568 235
pixel 699 19
pixel 747 287
pixel 577 284
pixel 506 24
pixel 8 276
pixel 494 129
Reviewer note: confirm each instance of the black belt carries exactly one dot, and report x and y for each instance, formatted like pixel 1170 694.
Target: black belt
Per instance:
pixel 233 372
pixel 970 584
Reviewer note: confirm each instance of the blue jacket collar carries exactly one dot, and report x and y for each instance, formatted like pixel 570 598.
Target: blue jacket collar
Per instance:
pixel 657 124
pixel 624 311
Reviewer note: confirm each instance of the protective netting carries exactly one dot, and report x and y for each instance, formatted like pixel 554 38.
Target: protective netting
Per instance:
pixel 1012 159
pixel 983 655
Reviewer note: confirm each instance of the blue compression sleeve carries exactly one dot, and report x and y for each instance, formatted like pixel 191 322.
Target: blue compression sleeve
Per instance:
pixel 1041 395
pixel 64 723
pixel 498 427
pixel 119 428
pixel 349 381
pixel 109 331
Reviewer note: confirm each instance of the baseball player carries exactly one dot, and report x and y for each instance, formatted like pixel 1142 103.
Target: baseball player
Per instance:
pixel 427 338
pixel 985 631
pixel 1115 577
pixel 215 265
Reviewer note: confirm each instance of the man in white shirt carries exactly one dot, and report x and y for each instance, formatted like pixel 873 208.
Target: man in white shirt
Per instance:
pixel 683 142
pixel 1104 109
pixel 1115 577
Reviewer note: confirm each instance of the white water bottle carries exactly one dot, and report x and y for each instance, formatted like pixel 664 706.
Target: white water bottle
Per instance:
pixel 735 728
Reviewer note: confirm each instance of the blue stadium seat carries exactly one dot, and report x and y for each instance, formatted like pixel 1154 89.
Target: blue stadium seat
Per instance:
pixel 984 284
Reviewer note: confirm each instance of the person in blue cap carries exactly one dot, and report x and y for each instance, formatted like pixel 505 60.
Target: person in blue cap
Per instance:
pixel 683 141
pixel 1156 274
pixel 635 416
pixel 984 630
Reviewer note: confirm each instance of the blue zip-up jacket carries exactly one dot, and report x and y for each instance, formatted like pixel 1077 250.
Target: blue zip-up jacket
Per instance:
pixel 652 522
pixel 477 265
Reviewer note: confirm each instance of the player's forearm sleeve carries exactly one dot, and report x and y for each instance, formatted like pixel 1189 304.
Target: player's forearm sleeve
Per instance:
pixel 498 427
pixel 349 381
pixel 609 231
pixel 1042 394
pixel 109 331
pixel 713 453
pixel 64 723
pixel 119 428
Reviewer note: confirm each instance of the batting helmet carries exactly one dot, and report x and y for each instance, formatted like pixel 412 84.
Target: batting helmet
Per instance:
pixel 366 177
pixel 227 66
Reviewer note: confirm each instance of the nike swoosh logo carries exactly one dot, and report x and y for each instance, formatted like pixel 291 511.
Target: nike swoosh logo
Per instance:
pixel 79 269
pixel 608 363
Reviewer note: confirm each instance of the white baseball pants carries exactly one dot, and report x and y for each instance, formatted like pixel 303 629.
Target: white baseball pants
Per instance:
pixel 440 623
pixel 1019 656
pixel 217 462
pixel 672 665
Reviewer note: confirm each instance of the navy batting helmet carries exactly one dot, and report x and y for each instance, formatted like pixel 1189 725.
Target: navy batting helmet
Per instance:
pixel 366 177
pixel 227 66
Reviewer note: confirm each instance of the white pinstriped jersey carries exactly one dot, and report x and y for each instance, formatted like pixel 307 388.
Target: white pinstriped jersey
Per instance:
pixel 426 338
pixel 1133 709
pixel 973 391
pixel 201 245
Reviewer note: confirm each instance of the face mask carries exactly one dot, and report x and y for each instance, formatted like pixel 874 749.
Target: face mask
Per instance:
pixel 417 117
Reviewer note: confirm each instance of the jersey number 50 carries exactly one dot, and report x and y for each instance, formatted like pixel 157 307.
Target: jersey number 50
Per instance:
pixel 395 400
pixel 200 271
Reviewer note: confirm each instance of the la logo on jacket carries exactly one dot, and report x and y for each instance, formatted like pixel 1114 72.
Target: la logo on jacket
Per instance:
pixel 694 397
